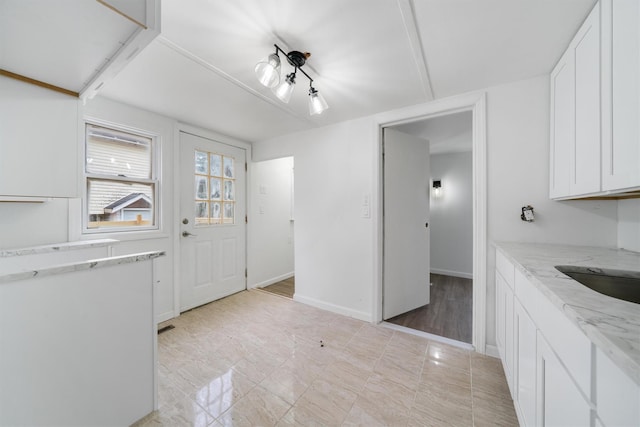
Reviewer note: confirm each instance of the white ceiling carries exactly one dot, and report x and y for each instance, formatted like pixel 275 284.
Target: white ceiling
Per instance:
pixel 446 134
pixel 368 56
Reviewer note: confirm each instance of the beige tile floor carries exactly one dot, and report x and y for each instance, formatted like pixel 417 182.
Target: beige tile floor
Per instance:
pixel 257 359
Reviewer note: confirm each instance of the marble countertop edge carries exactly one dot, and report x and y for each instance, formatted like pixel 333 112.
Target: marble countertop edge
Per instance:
pixel 80 266
pixel 57 247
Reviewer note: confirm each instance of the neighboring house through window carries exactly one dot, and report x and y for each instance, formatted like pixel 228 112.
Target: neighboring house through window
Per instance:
pixel 121 185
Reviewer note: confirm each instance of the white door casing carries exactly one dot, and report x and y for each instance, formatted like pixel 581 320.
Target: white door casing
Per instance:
pixel 212 255
pixel 406 215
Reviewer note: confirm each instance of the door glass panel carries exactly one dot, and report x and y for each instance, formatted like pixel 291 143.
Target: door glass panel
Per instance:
pixel 201 162
pixel 202 213
pixel 228 190
pixel 216 165
pixel 228 167
pixel 228 212
pixel 215 189
pixel 202 189
pixel 215 213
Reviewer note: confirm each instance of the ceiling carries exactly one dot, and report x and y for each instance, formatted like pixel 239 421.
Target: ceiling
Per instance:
pixel 446 134
pixel 368 56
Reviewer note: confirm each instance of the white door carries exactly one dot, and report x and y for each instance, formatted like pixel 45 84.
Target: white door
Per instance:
pixel 212 220
pixel 406 215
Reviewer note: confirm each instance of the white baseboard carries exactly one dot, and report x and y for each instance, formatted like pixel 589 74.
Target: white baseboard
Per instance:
pixel 345 311
pixel 162 317
pixel 452 273
pixel 272 280
pixel 492 350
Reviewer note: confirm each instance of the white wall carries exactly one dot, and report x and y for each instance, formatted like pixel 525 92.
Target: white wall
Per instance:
pixel 450 219
pixel 270 222
pixel 334 169
pixel 333 243
pixel 629 224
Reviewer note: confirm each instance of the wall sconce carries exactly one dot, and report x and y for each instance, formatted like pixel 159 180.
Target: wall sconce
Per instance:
pixel 437 188
pixel 268 73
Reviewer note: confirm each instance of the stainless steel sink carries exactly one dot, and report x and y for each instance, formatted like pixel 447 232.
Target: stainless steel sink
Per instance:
pixel 620 284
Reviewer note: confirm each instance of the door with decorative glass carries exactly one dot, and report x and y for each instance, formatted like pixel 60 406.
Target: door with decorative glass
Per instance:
pixel 212 220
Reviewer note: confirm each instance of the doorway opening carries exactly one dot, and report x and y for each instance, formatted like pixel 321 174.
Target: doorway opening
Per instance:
pixel 474 106
pixel 271 221
pixel 448 312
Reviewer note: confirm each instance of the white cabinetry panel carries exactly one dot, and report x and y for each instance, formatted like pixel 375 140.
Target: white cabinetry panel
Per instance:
pixel 621 142
pixel 38 141
pixel 562 125
pixel 560 402
pixel 525 366
pixel 617 395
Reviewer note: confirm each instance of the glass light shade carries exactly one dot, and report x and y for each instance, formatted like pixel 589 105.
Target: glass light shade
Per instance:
pixel 284 91
pixel 268 72
pixel 317 104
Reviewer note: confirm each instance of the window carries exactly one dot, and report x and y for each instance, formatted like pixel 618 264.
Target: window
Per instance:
pixel 121 185
pixel 215 182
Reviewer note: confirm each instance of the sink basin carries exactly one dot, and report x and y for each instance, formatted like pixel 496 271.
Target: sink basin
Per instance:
pixel 620 284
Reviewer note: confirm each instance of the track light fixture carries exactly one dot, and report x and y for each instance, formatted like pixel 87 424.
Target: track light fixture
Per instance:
pixel 268 73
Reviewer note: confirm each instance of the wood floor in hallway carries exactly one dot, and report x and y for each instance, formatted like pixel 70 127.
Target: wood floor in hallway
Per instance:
pixel 285 288
pixel 449 312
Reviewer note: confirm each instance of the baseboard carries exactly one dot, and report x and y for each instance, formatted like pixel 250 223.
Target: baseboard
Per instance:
pixel 360 315
pixel 452 273
pixel 163 317
pixel 492 350
pixel 273 280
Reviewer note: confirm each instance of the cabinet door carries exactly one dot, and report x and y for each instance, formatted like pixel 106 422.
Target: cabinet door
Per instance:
pixel 508 337
pixel 618 396
pixel 560 402
pixel 38 141
pixel 525 366
pixel 562 125
pixel 621 93
pixel 585 162
pixel 500 314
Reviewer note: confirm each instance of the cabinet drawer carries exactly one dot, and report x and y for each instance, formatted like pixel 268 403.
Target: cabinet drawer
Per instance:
pixel 571 345
pixel 505 268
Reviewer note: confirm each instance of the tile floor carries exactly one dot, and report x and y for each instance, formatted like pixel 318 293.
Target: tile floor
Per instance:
pixel 257 359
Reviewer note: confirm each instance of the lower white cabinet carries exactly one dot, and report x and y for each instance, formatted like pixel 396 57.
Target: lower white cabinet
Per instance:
pixel 559 401
pixel 556 375
pixel 524 395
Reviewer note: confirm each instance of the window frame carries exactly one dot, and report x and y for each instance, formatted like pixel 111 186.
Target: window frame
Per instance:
pixel 153 180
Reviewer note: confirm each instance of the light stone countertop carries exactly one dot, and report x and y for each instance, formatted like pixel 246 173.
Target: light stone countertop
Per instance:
pixel 57 247
pixel 611 324
pixel 80 266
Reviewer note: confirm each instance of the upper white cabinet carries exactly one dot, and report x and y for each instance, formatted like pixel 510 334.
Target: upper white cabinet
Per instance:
pixel 38 141
pixel 575 114
pixel 621 92
pixel 595 106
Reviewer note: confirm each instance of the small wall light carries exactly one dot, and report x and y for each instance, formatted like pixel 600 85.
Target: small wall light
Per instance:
pixel 437 188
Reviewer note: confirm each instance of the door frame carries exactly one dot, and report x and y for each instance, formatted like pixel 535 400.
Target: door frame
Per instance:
pixel 175 228
pixel 476 103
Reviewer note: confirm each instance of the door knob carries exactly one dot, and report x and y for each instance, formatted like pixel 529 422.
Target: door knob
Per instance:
pixel 187 234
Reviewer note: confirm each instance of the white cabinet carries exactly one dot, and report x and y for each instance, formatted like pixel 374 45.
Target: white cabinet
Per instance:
pixel 621 93
pixel 556 375
pixel 595 106
pixel 38 141
pixel 617 395
pixel 525 366
pixel 575 114
pixel 560 401
pixel 504 315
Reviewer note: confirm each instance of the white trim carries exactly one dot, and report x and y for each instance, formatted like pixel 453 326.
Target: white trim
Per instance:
pixel 360 315
pixel 476 103
pixel 427 335
pixel 273 280
pixel 492 350
pixel 460 274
